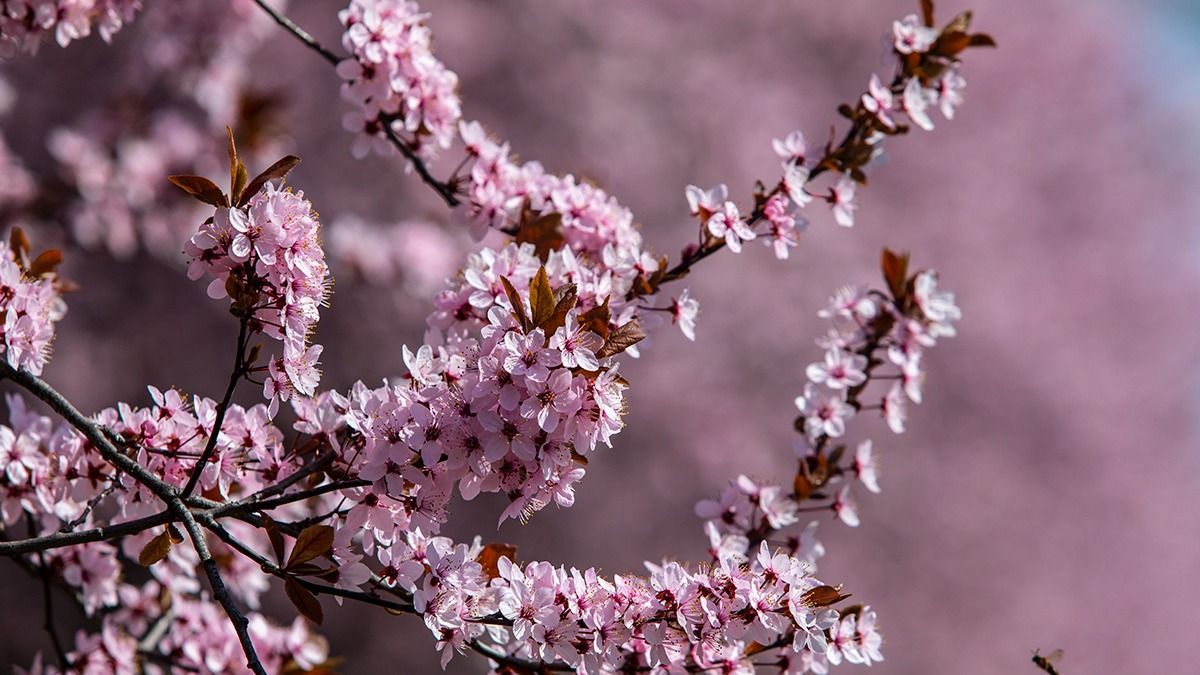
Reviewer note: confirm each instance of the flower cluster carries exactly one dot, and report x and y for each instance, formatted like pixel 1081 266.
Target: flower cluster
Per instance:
pixel 25 23
pixel 30 305
pixel 516 409
pixel 871 330
pixel 395 80
pixel 715 616
pixel 55 477
pixel 585 234
pixel 266 256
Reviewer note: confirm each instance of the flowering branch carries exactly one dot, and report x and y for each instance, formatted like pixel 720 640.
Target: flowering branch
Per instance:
pixel 515 389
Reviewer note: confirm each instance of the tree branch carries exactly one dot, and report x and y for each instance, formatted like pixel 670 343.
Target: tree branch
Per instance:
pixel 240 624
pixel 301 34
pixel 92 431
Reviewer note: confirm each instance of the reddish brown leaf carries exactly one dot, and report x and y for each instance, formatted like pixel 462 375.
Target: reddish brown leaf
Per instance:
pixel 490 556
pixel 895 271
pixel 45 263
pixel 239 179
pixel 155 550
pixel 541 298
pixel 233 161
pixel 982 40
pixel 596 319
pixel 275 536
pixel 564 301
pixel 951 44
pixel 802 488
pixel 305 602
pixel 18 243
pixel 544 232
pixel 277 170
pixel 823 596
pixel 201 188
pixel 621 339
pixel 518 305
pixel 927 12
pixel 314 541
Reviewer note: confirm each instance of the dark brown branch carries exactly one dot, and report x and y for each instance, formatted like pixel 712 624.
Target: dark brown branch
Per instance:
pixel 92 431
pixel 301 34
pixel 240 624
pixel 103 533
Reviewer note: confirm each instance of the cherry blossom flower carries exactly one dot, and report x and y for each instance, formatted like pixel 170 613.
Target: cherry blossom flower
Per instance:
pixel 684 311
pixel 879 101
pixel 841 198
pixel 912 36
pixel 866 465
pixel 840 370
pixel 727 223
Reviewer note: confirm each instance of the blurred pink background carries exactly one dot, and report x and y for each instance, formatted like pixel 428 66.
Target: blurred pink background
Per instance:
pixel 1045 495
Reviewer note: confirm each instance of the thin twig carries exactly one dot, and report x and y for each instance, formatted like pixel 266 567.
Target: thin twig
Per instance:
pixel 239 369
pixel 300 33
pixel 103 533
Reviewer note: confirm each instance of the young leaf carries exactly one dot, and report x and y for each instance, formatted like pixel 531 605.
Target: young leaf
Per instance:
pixel 982 40
pixel 823 596
pixel 621 339
pixel 201 188
pixel 489 558
pixel 960 23
pixel 544 232
pixel 564 301
pixel 895 271
pixel 155 550
pixel 314 541
pixel 233 163
pixel 275 536
pixel 518 305
pixel 305 602
pixel 541 298
pixel 18 243
pixel 45 263
pixel 802 488
pixel 596 319
pixel 950 44
pixel 277 170
pixel 927 12
pixel 239 180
